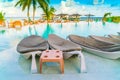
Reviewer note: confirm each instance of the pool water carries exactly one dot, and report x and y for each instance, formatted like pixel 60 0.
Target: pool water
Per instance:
pixel 4 43
pixel 81 28
pixel 15 67
pixel 62 29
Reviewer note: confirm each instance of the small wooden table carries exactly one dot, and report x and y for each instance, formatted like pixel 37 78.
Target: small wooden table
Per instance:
pixel 52 56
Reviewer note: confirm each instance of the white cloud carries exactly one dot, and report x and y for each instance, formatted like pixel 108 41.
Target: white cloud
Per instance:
pixel 97 10
pixel 11 11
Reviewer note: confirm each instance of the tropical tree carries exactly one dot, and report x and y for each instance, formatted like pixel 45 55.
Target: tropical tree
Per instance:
pixel 24 4
pixel 105 15
pixel 2 16
pixel 34 4
pixel 27 4
pixel 50 12
pixel 44 4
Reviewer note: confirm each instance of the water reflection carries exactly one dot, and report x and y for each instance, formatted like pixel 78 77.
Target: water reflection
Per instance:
pixel 76 24
pixel 103 23
pixel 4 43
pixel 47 31
pixel 30 30
pixel 2 32
pixel 63 29
pixel 61 25
pixel 24 64
pixel 35 31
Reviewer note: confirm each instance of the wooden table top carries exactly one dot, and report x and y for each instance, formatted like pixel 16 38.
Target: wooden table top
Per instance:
pixel 51 54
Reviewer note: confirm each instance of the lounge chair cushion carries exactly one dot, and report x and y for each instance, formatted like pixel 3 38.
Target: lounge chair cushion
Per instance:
pixel 31 43
pixel 92 43
pixel 59 43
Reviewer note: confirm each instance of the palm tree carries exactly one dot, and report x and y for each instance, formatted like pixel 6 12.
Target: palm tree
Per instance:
pixel 44 4
pixel 24 4
pixel 27 4
pixel 105 15
pixel 2 16
pixel 50 12
pixel 34 3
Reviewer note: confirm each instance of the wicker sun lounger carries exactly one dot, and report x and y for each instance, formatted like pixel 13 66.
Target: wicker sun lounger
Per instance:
pixel 31 46
pixel 114 36
pixel 105 50
pixel 118 33
pixel 105 39
pixel 69 48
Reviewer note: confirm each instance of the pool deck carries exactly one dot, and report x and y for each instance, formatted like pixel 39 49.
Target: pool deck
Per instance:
pixel 13 66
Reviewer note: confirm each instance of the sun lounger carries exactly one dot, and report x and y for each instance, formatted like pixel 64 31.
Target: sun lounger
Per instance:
pixel 31 46
pixel 105 39
pixel 69 48
pixel 92 43
pixel 119 33
pixel 105 50
pixel 114 36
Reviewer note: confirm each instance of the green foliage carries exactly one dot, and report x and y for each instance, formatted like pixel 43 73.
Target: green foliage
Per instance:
pixel 106 18
pixel 115 19
pixel 107 14
pixel 2 16
pixel 50 12
pixel 44 4
pixel 26 4
pixel 2 31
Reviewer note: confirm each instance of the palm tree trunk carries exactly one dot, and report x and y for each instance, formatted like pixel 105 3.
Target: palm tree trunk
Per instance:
pixel 28 15
pixel 33 14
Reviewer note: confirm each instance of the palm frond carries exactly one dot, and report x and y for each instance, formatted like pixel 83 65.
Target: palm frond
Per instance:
pixel 17 3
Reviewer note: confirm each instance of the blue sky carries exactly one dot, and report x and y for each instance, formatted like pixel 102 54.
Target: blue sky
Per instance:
pixel 85 2
pixel 97 7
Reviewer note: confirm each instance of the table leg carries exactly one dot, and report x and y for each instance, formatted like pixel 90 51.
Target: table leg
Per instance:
pixel 62 66
pixel 40 65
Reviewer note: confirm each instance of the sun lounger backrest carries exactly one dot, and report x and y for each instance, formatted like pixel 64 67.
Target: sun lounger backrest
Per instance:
pixel 56 40
pixel 32 43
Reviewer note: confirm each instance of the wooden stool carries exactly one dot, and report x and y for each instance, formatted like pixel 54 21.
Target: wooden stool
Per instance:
pixel 52 56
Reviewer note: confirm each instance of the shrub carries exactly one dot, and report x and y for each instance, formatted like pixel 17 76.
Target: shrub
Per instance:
pixel 2 16
pixel 115 19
